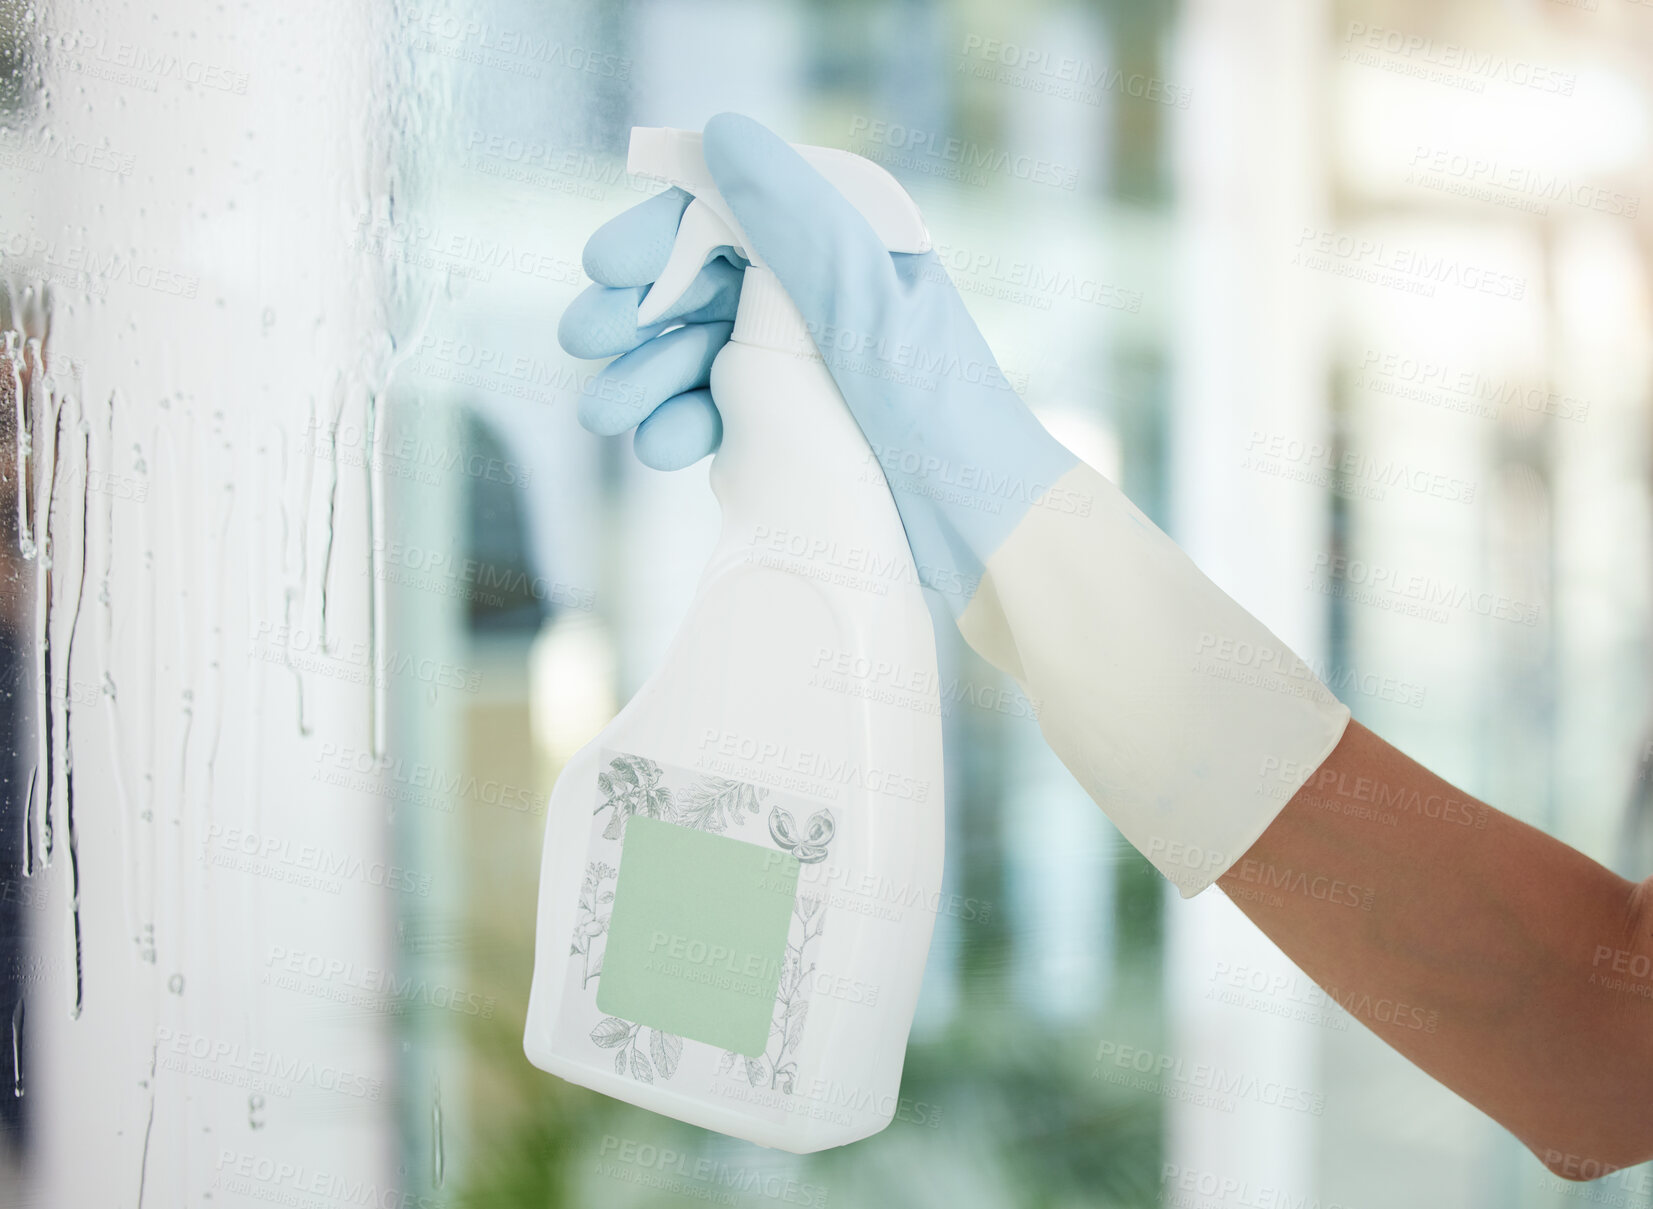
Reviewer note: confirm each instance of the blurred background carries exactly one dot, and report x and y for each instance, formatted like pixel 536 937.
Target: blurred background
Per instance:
pixel 313 582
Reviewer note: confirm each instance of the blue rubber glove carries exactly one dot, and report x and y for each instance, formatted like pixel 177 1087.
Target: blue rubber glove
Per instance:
pixel 657 382
pixel 963 455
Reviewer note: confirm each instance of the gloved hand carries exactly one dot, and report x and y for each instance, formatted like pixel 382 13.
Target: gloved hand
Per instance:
pixel 963 455
pixel 1181 715
pixel 657 383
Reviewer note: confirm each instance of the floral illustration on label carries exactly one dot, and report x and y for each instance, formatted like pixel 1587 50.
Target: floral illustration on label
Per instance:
pixel 809 847
pixel 625 1039
pixel 592 921
pixel 630 786
pixel 786 1032
pixel 714 803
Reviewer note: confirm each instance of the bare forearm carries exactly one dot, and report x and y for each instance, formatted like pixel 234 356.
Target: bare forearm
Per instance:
pixel 1507 965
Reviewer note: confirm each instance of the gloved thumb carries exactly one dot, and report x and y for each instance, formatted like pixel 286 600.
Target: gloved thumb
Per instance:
pixel 824 252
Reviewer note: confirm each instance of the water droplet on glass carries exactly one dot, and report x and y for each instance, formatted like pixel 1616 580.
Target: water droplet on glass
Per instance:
pixel 438 1161
pixel 17 1050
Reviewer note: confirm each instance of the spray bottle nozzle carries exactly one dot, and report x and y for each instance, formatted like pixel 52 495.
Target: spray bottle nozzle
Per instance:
pixel 675 157
pixel 699 233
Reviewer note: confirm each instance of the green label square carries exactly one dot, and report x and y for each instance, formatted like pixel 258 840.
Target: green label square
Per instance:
pixel 698 934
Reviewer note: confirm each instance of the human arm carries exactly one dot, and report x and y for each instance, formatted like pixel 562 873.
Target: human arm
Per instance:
pixel 1520 953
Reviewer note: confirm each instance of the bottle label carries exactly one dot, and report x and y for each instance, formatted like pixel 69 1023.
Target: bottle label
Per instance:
pixel 696 938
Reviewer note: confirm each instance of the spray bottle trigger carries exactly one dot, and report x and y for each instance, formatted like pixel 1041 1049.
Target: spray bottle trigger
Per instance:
pixel 700 232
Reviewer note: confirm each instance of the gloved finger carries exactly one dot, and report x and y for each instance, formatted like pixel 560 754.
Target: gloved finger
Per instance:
pixel 825 253
pixel 679 432
pixel 602 321
pixel 630 387
pixel 631 248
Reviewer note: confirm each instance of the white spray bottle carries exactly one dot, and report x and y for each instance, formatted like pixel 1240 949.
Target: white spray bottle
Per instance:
pixel 738 883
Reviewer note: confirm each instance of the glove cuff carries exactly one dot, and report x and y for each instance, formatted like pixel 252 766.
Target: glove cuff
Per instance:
pixel 1182 716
